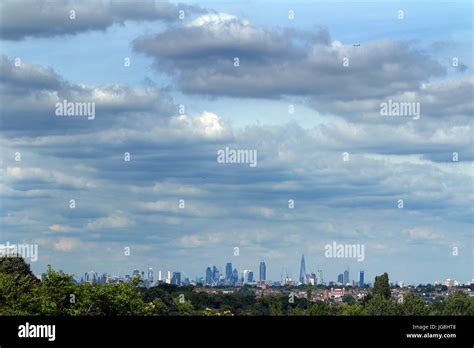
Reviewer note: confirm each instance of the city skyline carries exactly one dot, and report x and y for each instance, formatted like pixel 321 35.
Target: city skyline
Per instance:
pixel 358 278
pixel 178 136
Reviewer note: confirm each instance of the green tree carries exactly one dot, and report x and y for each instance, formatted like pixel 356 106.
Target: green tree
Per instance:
pixel 20 295
pixel 275 306
pixel 352 309
pixel 379 305
pixel 349 299
pixel 382 286
pixel 414 305
pixel 185 307
pixel 295 311
pixel 309 292
pixel 112 300
pixel 159 307
pixel 429 288
pixel 320 308
pixel 61 291
pixel 458 303
pixel 15 266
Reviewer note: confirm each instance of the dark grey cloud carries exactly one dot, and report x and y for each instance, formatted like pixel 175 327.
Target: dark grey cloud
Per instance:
pixel 29 93
pixel 442 104
pixel 20 80
pixel 274 63
pixel 37 18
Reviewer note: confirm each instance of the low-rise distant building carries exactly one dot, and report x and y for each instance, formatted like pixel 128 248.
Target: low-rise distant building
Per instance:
pixel 449 282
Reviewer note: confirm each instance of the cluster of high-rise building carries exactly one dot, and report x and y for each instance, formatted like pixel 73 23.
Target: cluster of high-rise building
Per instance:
pixel 147 280
pixel 317 278
pixel 309 278
pixel 343 279
pixel 232 277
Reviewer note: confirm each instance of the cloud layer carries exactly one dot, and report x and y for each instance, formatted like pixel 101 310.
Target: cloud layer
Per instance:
pixel 144 174
pixel 274 62
pixel 36 18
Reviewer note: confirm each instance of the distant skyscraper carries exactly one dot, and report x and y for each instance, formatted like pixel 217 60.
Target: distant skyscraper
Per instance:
pixel 319 277
pixel 235 276
pixel 361 278
pixel 245 275
pixel 250 277
pixel 340 278
pixel 215 274
pixel 228 271
pixel 176 279
pixel 346 277
pixel 263 271
pixel 208 276
pixel 150 275
pixel 303 270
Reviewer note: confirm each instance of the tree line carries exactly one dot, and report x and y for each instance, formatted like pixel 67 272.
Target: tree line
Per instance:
pixel 56 293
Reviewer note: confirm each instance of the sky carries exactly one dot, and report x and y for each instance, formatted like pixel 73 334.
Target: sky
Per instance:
pixel 306 96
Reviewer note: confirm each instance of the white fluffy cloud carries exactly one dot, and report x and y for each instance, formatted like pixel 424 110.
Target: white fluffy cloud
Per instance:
pixel 66 244
pixel 117 220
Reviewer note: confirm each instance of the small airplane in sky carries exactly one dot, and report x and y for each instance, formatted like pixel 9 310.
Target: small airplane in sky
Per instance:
pixel 356 45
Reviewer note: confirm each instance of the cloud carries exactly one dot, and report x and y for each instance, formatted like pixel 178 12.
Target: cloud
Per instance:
pixel 173 156
pixel 37 18
pixel 191 241
pixel 7 191
pixel 287 63
pixel 117 220
pixel 234 237
pixel 264 212
pixel 169 189
pixel 446 99
pixel 38 176
pixel 29 94
pixel 207 124
pixel 419 233
pixel 61 228
pixel 217 35
pixel 19 77
pixel 66 244
pixel 274 63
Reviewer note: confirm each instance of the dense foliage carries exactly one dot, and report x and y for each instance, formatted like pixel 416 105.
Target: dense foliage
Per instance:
pixel 57 294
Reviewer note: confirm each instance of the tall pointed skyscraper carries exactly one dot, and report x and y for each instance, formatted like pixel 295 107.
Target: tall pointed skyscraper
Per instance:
pixel 302 270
